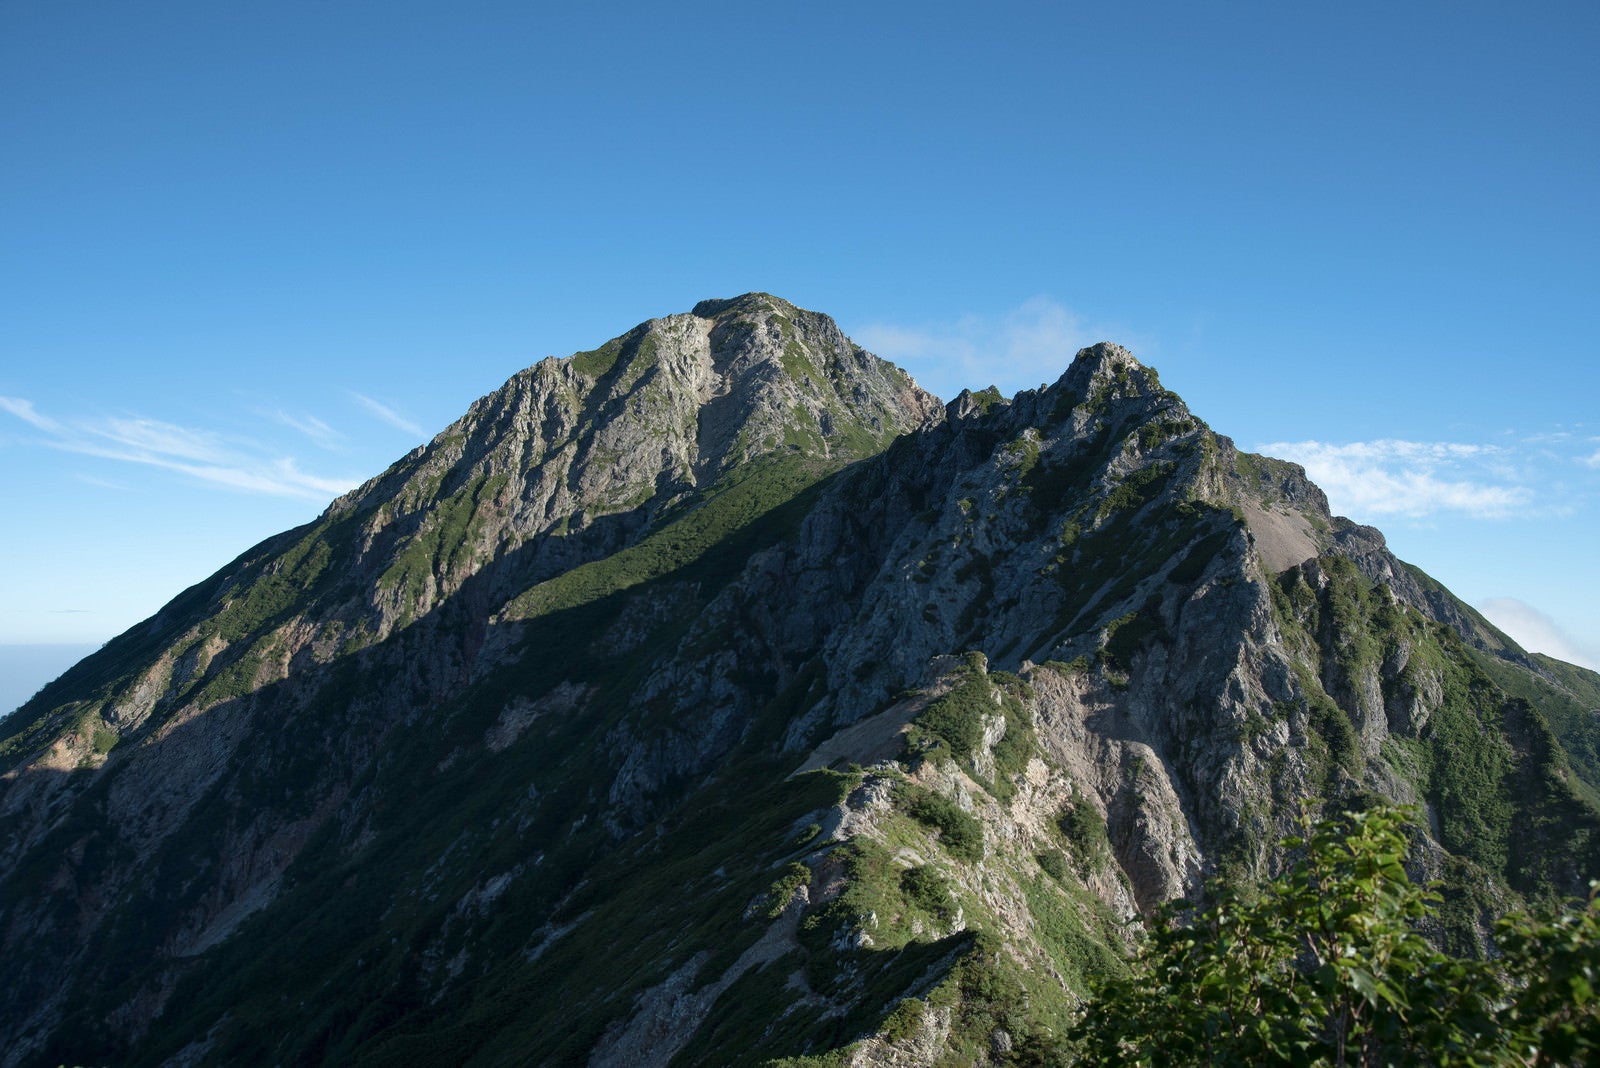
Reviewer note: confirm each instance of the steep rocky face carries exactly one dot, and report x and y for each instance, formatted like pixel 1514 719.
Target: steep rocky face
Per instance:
pixel 295 664
pixel 569 462
pixel 715 696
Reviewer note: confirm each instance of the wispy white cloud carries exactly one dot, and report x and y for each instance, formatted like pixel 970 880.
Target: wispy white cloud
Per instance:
pixel 1017 349
pixel 309 425
pixel 23 409
pixel 1372 479
pixel 1548 437
pixel 1537 632
pixel 386 414
pixel 100 483
pixel 1591 461
pixel 152 437
pixel 201 454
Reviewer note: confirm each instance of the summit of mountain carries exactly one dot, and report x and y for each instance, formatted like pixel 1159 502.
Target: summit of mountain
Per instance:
pixel 718 696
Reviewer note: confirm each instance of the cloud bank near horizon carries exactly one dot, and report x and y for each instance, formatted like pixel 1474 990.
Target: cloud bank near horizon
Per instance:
pixel 1537 632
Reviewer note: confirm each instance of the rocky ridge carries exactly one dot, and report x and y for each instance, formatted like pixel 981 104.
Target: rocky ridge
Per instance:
pixel 723 693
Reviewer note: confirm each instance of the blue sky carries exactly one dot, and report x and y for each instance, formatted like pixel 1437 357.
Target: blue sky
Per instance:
pixel 253 253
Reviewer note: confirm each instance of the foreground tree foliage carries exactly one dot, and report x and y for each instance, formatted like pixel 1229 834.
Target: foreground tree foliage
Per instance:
pixel 1325 966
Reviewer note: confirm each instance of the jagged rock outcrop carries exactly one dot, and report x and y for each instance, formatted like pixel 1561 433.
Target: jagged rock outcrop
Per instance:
pixel 719 693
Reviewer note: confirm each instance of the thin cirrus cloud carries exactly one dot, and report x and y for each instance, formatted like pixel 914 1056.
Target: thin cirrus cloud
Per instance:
pixel 101 483
pixel 1411 479
pixel 1015 349
pixel 386 414
pixel 319 432
pixel 200 454
pixel 24 410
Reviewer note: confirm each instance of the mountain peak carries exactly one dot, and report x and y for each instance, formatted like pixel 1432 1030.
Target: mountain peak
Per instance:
pixel 607 442
pixel 753 302
pixel 633 720
pixel 752 376
pixel 1102 361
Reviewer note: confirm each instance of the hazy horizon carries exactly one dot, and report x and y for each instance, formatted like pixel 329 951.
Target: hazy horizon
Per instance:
pixel 26 669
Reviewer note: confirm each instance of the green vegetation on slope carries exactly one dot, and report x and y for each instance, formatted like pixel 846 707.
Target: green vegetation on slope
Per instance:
pixel 953 725
pixel 1496 780
pixel 714 532
pixel 640 840
pixel 1325 966
pixel 1569 699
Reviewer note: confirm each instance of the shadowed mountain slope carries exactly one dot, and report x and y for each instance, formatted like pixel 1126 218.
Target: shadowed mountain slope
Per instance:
pixel 717 697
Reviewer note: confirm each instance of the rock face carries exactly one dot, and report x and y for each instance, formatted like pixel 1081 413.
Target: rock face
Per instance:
pixel 716 696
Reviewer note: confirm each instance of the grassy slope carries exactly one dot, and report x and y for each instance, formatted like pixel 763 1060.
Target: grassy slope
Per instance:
pixel 1498 784
pixel 423 811
pixel 1569 698
pixel 365 936
pixel 349 965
